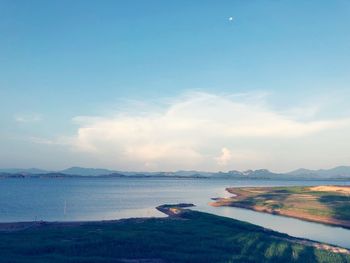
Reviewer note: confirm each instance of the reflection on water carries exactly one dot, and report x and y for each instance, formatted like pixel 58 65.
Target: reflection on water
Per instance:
pixel 294 227
pixel 112 198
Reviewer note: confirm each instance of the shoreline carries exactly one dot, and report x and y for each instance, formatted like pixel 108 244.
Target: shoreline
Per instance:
pixel 173 212
pixel 235 201
pixel 277 213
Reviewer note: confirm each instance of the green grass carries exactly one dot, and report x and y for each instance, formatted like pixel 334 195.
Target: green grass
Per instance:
pixel 195 237
pixel 326 207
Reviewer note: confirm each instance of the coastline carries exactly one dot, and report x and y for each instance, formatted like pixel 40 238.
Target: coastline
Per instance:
pixel 173 212
pixel 239 199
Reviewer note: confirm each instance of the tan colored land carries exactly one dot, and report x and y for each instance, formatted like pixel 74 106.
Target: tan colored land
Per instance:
pixel 322 204
pixel 331 188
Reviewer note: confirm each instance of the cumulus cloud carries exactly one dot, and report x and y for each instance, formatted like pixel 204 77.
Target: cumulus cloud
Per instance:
pixel 190 131
pixel 225 157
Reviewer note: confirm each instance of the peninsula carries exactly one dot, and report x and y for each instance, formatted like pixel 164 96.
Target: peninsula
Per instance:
pixel 184 236
pixel 323 204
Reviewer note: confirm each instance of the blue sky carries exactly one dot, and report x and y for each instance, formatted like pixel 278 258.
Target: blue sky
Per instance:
pixel 95 68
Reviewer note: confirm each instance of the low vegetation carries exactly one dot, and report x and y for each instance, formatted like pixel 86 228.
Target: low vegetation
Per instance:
pixel 186 236
pixel 324 204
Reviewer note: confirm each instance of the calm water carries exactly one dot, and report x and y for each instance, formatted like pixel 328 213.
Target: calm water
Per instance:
pixel 110 198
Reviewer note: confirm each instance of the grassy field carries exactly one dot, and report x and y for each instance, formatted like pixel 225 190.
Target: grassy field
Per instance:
pixel 325 204
pixel 187 236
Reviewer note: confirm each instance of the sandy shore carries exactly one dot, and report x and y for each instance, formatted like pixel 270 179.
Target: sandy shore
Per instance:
pixel 331 188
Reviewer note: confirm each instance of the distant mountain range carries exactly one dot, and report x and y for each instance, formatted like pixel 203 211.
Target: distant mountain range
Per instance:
pixel 87 171
pixel 341 172
pixel 23 171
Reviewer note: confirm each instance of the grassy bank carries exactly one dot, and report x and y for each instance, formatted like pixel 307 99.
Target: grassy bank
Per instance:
pixel 324 204
pixel 186 236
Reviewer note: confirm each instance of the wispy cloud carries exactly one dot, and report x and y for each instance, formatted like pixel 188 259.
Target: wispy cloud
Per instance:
pixel 62 141
pixel 28 117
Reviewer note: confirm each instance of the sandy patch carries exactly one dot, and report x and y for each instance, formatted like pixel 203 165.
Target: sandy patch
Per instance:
pixel 331 188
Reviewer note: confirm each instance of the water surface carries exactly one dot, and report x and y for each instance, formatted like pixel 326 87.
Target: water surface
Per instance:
pixel 72 199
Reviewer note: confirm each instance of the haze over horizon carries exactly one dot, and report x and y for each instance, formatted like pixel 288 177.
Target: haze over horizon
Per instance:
pixel 328 173
pixel 164 86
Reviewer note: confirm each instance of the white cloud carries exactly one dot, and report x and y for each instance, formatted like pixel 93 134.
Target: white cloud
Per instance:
pixel 190 131
pixel 225 157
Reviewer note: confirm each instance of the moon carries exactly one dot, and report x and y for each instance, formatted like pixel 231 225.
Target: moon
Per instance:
pixel 230 18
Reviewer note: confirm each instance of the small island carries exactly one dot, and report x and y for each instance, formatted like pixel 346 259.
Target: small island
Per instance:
pixel 323 204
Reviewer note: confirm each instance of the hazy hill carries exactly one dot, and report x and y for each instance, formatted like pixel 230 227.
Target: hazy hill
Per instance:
pixel 87 171
pixel 341 172
pixel 23 171
pixel 337 172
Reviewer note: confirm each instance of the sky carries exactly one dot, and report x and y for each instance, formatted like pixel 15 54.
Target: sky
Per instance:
pixel 175 85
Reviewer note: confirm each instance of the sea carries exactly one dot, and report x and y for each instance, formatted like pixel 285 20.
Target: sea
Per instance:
pixel 97 198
